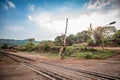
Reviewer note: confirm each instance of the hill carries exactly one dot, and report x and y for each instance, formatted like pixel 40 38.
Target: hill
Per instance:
pixel 12 42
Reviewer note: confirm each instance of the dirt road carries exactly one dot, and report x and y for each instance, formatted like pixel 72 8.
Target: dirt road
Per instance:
pixel 109 48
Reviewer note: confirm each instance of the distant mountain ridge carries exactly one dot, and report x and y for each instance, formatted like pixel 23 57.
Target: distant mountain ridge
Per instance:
pixel 12 42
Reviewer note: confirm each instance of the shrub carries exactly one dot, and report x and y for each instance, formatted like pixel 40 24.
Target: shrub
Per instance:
pixel 46 46
pixel 52 55
pixel 88 49
pixel 87 55
pixel 96 55
pixel 90 42
pixel 29 46
pixel 4 46
pixel 55 49
pixel 69 51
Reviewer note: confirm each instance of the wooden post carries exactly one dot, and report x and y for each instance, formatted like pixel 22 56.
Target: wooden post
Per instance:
pixel 62 49
pixel 65 31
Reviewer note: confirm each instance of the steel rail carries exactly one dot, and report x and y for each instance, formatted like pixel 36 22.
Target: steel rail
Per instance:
pixel 100 75
pixel 44 72
pixel 105 76
pixel 18 56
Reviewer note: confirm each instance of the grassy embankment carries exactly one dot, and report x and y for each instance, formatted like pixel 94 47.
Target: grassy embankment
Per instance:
pixel 83 53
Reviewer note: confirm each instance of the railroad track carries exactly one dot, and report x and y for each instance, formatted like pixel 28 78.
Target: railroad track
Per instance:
pixel 45 68
pixel 27 62
pixel 101 75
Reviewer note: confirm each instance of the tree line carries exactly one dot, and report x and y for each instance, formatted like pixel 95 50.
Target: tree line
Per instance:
pixel 94 37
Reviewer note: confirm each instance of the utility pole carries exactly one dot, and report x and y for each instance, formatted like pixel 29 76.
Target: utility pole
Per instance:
pixel 62 49
pixel 65 31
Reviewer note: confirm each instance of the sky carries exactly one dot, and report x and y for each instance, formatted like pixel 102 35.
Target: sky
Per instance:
pixel 46 19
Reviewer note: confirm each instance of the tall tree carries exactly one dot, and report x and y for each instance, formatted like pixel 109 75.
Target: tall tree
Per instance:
pixel 78 37
pixel 71 39
pixel 59 40
pixel 85 36
pixel 82 36
pixel 98 35
pixel 108 31
pixel 116 37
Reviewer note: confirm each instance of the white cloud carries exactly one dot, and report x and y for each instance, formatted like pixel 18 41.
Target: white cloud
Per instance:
pixel 55 22
pixel 31 7
pixel 11 4
pixel 109 10
pixel 98 4
pixel 103 5
pixel 5 7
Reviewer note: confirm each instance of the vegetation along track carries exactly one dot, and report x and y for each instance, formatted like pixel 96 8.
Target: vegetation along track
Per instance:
pixel 54 75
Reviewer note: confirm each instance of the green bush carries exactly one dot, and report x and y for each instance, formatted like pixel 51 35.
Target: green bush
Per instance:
pixel 96 55
pixel 107 53
pixel 88 49
pixel 45 46
pixel 86 55
pixel 69 51
pixel 90 42
pixel 29 46
pixel 55 49
pixel 4 46
pixel 51 55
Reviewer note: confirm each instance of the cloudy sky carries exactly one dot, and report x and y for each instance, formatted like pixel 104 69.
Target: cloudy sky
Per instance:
pixel 45 19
